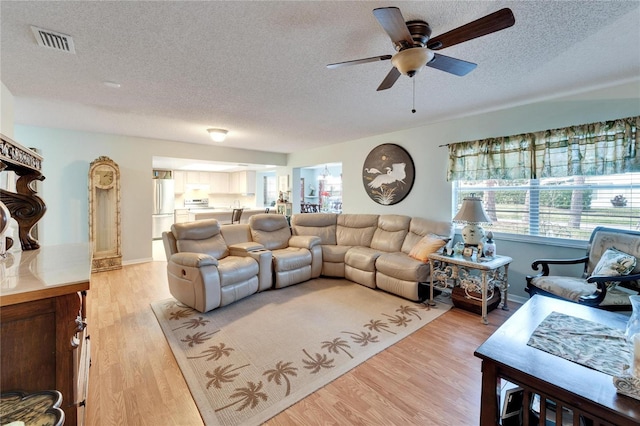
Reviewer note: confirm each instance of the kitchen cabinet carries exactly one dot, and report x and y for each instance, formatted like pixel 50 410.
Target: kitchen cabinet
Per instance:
pixel 181 215
pixel 180 180
pixel 197 181
pixel 219 183
pixel 242 182
pixel 197 178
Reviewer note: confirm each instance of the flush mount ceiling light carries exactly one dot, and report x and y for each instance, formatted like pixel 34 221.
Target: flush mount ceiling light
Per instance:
pixel 218 135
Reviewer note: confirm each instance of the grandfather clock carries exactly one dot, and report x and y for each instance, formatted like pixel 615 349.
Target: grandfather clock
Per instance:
pixel 104 214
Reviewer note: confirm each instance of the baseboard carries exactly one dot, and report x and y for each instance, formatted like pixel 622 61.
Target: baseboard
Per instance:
pixel 136 261
pixel 517 299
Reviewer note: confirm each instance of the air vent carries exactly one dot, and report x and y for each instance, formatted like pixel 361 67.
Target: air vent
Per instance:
pixel 54 40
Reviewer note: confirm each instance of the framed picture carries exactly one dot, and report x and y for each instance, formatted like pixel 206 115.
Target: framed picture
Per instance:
pixel 388 174
pixel 468 251
pixel 283 183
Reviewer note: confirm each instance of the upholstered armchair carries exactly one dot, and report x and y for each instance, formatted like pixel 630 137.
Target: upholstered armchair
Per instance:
pixel 295 258
pixel 205 273
pixel 611 272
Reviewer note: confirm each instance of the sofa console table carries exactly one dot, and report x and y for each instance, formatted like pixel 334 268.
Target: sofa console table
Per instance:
pixel 43 334
pixel 590 395
pixel 452 271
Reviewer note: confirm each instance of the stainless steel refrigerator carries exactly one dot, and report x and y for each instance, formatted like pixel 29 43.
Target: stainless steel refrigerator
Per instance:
pixel 163 206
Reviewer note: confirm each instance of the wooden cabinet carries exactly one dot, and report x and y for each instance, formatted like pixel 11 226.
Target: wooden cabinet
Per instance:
pixel 43 330
pixel 179 181
pixel 242 182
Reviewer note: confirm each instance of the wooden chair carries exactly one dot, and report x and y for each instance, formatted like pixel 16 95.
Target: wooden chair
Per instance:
pixel 610 275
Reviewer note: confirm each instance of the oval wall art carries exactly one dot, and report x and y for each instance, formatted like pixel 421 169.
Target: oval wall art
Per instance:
pixel 388 174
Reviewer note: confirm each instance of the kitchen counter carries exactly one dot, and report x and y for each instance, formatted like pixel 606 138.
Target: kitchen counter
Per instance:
pixel 222 215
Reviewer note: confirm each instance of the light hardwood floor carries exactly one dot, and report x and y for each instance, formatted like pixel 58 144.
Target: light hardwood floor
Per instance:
pixel 429 378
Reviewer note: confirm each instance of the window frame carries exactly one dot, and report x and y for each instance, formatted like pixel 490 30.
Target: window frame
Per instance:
pixel 534 214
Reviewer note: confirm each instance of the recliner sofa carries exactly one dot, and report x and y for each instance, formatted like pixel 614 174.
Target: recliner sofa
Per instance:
pixel 376 251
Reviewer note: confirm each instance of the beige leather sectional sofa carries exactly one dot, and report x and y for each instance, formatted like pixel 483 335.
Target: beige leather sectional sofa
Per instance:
pixel 210 265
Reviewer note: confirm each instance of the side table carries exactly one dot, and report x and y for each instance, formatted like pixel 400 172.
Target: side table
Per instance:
pixel 451 271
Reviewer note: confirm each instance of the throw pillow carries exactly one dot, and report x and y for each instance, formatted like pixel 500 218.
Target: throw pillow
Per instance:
pixel 430 243
pixel 614 263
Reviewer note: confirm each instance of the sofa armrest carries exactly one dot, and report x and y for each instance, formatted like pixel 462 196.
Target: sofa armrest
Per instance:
pixel 304 241
pixel 193 260
pixel 242 249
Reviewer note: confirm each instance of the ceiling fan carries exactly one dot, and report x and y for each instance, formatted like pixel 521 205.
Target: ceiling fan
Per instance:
pixel 414 48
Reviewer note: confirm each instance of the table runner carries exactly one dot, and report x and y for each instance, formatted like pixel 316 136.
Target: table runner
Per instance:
pixel 587 343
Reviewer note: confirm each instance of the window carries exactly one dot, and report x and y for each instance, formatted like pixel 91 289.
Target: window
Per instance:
pixel 567 207
pixel 557 183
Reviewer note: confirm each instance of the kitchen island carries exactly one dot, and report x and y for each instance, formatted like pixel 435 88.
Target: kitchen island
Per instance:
pixel 222 215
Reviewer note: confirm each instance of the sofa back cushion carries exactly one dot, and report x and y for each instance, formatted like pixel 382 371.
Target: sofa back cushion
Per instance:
pixel 236 233
pixel 356 229
pixel 419 228
pixel 202 236
pixel 321 225
pixel 270 230
pixel 390 233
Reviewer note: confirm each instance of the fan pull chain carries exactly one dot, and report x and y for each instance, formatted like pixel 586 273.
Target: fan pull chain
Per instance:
pixel 414 96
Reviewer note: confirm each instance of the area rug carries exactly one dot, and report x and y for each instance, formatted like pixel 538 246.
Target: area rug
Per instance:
pixel 246 362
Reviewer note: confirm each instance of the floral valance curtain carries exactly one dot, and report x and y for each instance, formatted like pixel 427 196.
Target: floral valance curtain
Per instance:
pixel 586 150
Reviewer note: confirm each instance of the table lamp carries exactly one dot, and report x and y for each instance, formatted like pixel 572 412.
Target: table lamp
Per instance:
pixel 472 215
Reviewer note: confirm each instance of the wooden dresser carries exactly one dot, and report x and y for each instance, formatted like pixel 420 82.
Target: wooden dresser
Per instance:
pixel 43 331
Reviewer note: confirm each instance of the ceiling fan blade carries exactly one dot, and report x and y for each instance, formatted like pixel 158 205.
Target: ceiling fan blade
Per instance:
pixel 393 23
pixel 451 65
pixel 389 80
pixel 359 61
pixel 489 24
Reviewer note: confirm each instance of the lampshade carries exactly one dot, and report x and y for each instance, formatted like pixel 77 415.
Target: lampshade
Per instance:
pixel 472 214
pixel 412 60
pixel 218 135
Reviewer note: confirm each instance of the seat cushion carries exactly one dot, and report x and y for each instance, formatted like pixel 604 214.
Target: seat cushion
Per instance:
pixel 573 288
pixel 399 265
pixel 236 269
pixel 362 258
pixel 334 254
pixel 291 258
pixel 567 287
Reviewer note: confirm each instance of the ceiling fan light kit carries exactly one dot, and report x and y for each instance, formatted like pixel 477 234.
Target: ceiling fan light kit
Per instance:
pixel 415 47
pixel 218 135
pixel 411 61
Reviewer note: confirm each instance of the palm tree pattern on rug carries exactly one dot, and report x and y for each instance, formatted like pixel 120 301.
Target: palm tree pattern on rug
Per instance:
pixel 223 373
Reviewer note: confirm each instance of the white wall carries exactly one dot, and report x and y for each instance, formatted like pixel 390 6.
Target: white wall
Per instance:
pixel 67 155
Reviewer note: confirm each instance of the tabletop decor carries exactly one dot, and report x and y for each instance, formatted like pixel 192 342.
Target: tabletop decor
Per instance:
pixel 388 174
pixel 472 215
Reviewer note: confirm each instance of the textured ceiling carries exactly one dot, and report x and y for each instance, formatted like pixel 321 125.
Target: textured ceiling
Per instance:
pixel 258 68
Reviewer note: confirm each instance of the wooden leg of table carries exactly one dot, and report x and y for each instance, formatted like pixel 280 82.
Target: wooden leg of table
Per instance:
pixel 489 396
